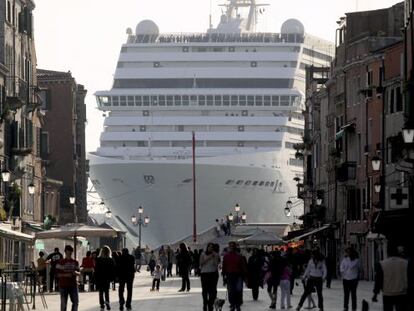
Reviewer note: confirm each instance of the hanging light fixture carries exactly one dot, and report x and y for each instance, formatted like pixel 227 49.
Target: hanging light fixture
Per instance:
pixel 134 220
pixel 244 217
pixel 377 187
pixel 31 188
pixel 319 201
pixel 72 199
pixel 5 175
pixel 376 163
pixel 147 220
pixel 237 208
pixel 408 135
pixel 140 210
pixel 287 211
pixel 230 217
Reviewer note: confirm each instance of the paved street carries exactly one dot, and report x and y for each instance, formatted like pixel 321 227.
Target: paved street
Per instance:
pixel 169 299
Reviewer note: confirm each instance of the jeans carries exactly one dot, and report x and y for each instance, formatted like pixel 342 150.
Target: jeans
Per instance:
pixel 103 291
pixel 235 290
pixel 129 284
pixel 169 269
pixel 72 292
pixel 285 293
pixel 185 279
pixel 350 287
pixel 311 284
pixel 399 302
pixel 53 284
pixel 209 288
pixel 272 291
pixel 155 284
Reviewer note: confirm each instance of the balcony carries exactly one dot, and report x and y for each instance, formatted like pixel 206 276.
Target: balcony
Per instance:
pixel 346 171
pixel 20 93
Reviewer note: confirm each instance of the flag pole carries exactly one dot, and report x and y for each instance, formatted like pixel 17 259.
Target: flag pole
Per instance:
pixel 194 192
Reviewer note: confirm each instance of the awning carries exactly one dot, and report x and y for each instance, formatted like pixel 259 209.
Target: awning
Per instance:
pixel 339 134
pixel 310 233
pixel 7 232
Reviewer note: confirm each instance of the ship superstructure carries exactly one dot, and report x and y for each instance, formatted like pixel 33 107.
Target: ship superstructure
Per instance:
pixel 240 91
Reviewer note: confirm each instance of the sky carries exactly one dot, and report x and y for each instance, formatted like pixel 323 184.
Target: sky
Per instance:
pixel 85 36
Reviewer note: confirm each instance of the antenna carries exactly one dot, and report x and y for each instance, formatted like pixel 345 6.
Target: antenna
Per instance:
pixel 210 23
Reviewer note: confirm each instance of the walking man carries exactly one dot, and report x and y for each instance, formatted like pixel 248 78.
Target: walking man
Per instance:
pixel 126 277
pixel 350 271
pixel 138 257
pixel 234 270
pixel 53 259
pixel 170 261
pixel 392 278
pixel 67 270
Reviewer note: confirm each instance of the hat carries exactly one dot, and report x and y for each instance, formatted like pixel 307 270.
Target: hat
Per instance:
pixel 68 248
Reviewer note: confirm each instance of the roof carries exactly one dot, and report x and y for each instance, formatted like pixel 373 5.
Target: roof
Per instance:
pixel 8 232
pixel 53 75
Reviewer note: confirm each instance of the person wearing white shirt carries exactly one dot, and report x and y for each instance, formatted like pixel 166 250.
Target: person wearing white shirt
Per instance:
pixel 314 276
pixel 350 270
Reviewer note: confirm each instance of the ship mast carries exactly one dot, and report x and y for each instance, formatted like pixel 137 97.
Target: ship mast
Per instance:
pixel 254 10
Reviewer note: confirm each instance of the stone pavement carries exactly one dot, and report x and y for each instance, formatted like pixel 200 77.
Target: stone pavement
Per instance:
pixel 169 299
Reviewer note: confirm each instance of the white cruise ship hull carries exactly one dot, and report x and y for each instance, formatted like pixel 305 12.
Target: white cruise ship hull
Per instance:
pixel 164 189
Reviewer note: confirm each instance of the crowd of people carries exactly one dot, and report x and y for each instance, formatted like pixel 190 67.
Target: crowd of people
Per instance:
pixel 277 271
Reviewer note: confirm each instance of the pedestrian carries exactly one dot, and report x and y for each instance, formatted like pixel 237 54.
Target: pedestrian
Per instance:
pixel 170 261
pixel 234 272
pixel 115 257
pixel 126 276
pixel 276 268
pixel 330 268
pixel 391 276
pixel 138 258
pixel 152 263
pixel 157 278
pixel 184 265
pixel 350 270
pixel 67 271
pixel 228 226
pixel 53 259
pixel 314 276
pixel 163 260
pixel 285 288
pixel 41 270
pixel 196 262
pixel 218 228
pixel 254 272
pixel 104 275
pixel 223 226
pixel 209 262
pixel 87 269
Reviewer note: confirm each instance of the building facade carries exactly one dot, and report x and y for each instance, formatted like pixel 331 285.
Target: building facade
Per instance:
pixel 63 138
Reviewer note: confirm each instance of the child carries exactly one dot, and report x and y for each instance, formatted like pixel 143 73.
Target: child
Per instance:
pixel 285 287
pixel 157 278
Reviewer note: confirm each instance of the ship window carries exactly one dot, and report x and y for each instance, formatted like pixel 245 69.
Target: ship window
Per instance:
pixel 272 184
pixel 247 182
pixel 234 100
pixel 145 101
pixel 250 100
pixel 201 100
pixel 186 100
pixel 177 100
pixel 193 100
pixel 156 64
pixel 180 128
pixel 284 100
pixel 122 100
pixel 130 100
pixel 142 128
pixel 210 100
pixel 226 100
pixel 229 182
pixel 145 113
pixel 245 113
pixel 266 100
pixel 267 184
pixel 141 143
pixel 255 183
pixel 115 101
pixel 259 100
pixel 170 101
pixel 253 64
pixel 239 182
pixel 185 49
pixel 261 183
pixel 154 100
pixel 217 100
pixel 161 100
pixel 240 144
pixel 231 49
pixel 275 100
pixel 138 100
pixel 241 128
pixel 242 100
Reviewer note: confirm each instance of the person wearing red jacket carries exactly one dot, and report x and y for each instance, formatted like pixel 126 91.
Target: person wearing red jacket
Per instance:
pixel 234 271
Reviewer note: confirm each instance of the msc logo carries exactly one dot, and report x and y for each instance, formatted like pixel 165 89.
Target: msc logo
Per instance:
pixel 149 179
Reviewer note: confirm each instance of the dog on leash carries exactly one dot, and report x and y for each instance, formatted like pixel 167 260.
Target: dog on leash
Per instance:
pixel 218 304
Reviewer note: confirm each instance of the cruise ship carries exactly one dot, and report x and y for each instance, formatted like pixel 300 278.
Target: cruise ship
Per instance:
pixel 240 92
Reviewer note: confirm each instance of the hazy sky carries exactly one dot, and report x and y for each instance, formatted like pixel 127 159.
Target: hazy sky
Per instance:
pixel 85 36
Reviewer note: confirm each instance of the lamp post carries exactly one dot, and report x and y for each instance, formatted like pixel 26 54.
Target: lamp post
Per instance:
pixel 72 201
pixel 140 222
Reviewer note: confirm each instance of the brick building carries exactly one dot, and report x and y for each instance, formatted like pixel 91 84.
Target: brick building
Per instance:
pixel 63 137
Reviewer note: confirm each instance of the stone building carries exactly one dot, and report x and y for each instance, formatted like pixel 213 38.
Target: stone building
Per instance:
pixel 63 137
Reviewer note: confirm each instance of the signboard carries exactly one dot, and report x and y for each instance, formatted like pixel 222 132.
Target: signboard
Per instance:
pixel 398 197
pixel 40 245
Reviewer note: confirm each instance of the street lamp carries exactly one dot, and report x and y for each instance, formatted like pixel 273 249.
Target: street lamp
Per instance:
pixel 376 163
pixel 108 214
pixel 140 222
pixel 319 201
pixel 230 217
pixel 408 135
pixel 5 175
pixel 244 217
pixel 72 199
pixel 237 210
pixel 288 208
pixel 31 188
pixel 377 187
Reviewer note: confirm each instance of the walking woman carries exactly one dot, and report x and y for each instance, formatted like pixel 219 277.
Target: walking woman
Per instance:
pixel 350 271
pixel 104 274
pixel 314 275
pixel 184 265
pixel 209 262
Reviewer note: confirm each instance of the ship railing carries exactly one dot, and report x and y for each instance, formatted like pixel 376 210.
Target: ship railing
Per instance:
pixel 217 38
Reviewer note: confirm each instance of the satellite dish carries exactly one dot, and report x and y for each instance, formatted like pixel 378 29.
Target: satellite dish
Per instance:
pixel 129 31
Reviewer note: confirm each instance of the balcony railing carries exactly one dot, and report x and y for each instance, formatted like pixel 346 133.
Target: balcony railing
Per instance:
pixel 18 93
